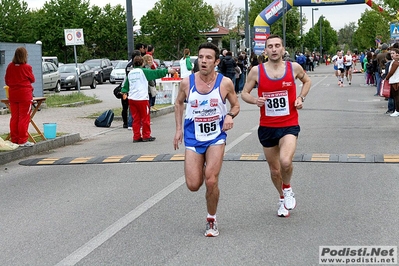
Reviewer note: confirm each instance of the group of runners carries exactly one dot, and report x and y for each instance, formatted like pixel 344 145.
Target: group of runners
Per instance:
pixel 343 66
pixel 203 123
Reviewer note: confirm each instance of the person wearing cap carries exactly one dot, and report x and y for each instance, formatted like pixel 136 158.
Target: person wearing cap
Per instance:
pixel 381 60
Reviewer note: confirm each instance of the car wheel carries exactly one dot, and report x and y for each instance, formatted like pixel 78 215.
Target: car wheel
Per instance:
pixel 112 82
pixel 57 87
pixel 93 84
pixel 101 81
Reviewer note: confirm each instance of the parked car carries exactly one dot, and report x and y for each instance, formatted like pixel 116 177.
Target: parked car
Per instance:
pixel 118 73
pixel 115 62
pixel 69 78
pixel 51 77
pixel 176 66
pixel 102 68
pixel 168 63
pixel 51 59
pixel 160 63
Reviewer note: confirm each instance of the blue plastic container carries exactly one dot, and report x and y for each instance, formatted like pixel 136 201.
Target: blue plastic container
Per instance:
pixel 50 130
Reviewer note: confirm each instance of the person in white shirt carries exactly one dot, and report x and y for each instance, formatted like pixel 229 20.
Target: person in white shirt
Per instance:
pixel 340 63
pixel 348 66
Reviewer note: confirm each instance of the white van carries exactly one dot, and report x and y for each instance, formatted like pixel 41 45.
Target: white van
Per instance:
pixel 51 59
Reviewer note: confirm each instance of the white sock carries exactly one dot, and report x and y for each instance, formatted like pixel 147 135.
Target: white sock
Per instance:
pixel 211 216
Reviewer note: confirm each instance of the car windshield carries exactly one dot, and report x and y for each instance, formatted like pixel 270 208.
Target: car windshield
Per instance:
pixel 66 69
pixel 93 64
pixel 121 65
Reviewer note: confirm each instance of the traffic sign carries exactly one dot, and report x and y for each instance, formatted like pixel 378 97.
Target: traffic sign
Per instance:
pixel 74 37
pixel 394 30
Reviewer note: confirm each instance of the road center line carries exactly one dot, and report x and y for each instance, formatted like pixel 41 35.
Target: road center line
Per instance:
pixel 114 228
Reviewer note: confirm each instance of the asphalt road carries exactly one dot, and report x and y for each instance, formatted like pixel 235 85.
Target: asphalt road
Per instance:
pixel 141 213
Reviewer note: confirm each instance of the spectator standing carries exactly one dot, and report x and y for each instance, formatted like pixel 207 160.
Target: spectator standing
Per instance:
pixel 381 60
pixel 227 67
pixel 393 78
pixel 186 66
pixel 19 78
pixel 153 65
pixel 142 47
pixel 136 85
pixel 369 69
pixel 126 115
pixel 391 101
pixel 148 63
pixel 244 61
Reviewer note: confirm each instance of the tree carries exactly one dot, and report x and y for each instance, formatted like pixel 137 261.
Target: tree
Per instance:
pixel 371 26
pixel 225 15
pixel 329 38
pixel 345 35
pixel 15 21
pixel 173 25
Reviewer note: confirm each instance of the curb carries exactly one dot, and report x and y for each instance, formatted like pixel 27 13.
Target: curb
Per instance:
pixel 22 152
pixel 69 139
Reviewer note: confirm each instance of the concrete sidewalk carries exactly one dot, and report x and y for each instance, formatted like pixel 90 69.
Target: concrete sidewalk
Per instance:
pixel 71 121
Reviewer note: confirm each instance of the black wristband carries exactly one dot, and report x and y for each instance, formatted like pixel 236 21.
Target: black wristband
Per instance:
pixel 231 114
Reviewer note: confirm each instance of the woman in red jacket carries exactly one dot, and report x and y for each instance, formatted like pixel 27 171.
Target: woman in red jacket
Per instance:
pixel 19 78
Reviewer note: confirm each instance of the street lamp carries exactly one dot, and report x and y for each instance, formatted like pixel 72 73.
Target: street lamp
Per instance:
pixel 94 50
pixel 238 33
pixel 313 9
pixel 321 47
pixel 209 39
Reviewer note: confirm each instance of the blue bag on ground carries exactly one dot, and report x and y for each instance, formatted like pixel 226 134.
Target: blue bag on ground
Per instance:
pixel 105 119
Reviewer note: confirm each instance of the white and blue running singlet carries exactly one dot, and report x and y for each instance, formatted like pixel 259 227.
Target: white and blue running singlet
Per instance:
pixel 205 114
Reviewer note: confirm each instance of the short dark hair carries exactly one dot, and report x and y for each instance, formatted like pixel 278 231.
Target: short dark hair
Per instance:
pixel 135 53
pixel 209 45
pixel 150 48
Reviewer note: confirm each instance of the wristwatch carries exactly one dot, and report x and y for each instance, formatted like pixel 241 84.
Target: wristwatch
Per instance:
pixel 302 97
pixel 231 114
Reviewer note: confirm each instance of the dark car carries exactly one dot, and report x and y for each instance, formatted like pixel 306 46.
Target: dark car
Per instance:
pixel 69 77
pixel 102 68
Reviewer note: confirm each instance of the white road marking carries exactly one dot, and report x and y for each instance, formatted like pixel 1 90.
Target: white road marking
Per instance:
pixel 109 232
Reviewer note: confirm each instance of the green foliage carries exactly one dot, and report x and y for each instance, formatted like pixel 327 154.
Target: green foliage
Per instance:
pixel 14 23
pixel 329 38
pixel 173 25
pixel 372 25
pixel 104 27
pixel 345 36
pixel 56 100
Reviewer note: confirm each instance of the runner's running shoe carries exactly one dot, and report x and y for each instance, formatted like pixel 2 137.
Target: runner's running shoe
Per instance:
pixel 282 211
pixel 289 199
pixel 211 228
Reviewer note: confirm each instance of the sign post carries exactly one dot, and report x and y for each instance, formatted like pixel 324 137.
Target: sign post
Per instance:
pixel 74 37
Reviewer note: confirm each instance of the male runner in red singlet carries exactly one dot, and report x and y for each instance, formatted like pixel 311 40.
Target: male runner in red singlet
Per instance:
pixel 278 102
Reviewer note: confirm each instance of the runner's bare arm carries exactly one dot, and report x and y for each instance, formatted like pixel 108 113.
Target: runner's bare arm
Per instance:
pixel 179 108
pixel 228 90
pixel 306 83
pixel 251 82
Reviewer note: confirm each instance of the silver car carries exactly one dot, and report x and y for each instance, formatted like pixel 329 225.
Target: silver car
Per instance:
pixel 51 77
pixel 118 73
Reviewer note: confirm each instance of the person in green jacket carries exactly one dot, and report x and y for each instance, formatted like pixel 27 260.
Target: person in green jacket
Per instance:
pixel 186 66
pixel 136 85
